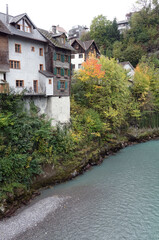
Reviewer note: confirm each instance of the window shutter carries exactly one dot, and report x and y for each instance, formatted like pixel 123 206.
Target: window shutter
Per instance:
pixel 65 85
pixel 62 58
pixel 62 72
pixel 68 72
pixel 58 85
pixel 55 71
pixel 69 59
pixel 55 56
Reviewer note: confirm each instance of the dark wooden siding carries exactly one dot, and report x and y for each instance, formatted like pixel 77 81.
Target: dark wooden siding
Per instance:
pixel 4 53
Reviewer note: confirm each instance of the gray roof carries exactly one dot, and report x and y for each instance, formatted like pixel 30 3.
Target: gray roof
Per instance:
pixel 34 35
pixel 125 63
pixel 53 39
pixel 86 44
pixel 3 28
pixel 46 73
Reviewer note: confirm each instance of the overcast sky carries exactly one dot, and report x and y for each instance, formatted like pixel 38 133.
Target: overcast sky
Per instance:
pixel 67 13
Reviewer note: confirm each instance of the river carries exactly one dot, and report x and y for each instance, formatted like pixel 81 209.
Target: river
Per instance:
pixel 118 200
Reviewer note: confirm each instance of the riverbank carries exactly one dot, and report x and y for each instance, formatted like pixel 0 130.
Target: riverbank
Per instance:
pixel 83 159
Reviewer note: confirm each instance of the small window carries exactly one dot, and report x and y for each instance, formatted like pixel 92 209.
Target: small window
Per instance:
pixel 81 55
pixel 58 71
pixel 14 64
pixel 66 72
pixel 35 86
pixel 66 58
pixel 79 66
pixel 62 85
pixel 19 83
pixel 33 49
pixel 73 66
pixel 41 51
pixel 17 48
pixel 58 56
pixel 50 81
pixel 41 67
pixel 72 56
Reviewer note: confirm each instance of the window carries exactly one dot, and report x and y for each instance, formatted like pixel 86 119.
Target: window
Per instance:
pixel 14 64
pixel 62 85
pixel 81 55
pixel 41 67
pixel 72 56
pixel 41 51
pixel 66 58
pixel 50 81
pixel 19 83
pixel 17 48
pixel 58 56
pixel 33 49
pixel 23 26
pixel 73 66
pixel 66 72
pixel 35 86
pixel 58 71
pixel 79 66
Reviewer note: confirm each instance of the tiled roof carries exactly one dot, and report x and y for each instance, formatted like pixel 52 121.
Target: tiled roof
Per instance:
pixel 49 36
pixel 17 18
pixel 60 29
pixel 3 28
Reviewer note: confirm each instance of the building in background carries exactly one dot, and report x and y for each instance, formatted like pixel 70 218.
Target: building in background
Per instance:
pixel 76 32
pixel 83 50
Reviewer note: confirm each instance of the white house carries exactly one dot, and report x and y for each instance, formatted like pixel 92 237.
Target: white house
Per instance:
pixel 23 67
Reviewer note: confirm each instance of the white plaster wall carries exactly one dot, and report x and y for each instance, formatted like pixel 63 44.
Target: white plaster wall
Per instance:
pixel 44 84
pixel 55 108
pixel 59 109
pixel 29 62
pixel 77 60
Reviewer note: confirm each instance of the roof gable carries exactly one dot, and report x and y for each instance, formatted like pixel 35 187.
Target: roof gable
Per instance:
pixel 24 16
pixel 85 45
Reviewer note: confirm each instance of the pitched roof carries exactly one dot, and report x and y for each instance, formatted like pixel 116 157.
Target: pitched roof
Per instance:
pixel 3 28
pixel 35 35
pixel 50 37
pixel 86 44
pixel 60 29
pixel 46 73
pixel 127 63
pixel 19 17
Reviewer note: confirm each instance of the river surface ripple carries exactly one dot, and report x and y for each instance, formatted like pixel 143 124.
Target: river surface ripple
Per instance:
pixel 118 200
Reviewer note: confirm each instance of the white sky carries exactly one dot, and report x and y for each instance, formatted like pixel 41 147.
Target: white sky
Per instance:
pixel 67 13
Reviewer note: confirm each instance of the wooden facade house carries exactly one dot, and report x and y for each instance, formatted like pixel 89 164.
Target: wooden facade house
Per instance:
pixel 83 50
pixel 58 61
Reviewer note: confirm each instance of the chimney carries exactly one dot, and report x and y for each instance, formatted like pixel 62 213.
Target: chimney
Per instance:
pixel 7 16
pixel 53 29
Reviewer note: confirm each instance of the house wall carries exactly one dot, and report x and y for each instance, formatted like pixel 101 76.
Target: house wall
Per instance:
pixel 29 62
pixel 77 61
pixel 55 108
pixel 45 85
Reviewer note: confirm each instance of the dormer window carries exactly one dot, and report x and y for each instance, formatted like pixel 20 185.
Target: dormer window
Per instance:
pixel 23 25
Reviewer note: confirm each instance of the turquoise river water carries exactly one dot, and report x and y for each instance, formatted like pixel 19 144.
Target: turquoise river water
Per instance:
pixel 118 200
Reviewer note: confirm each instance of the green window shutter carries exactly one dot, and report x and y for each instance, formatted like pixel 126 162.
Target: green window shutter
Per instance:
pixel 58 85
pixel 55 71
pixel 62 72
pixel 62 58
pixel 65 85
pixel 69 59
pixel 68 72
pixel 55 56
